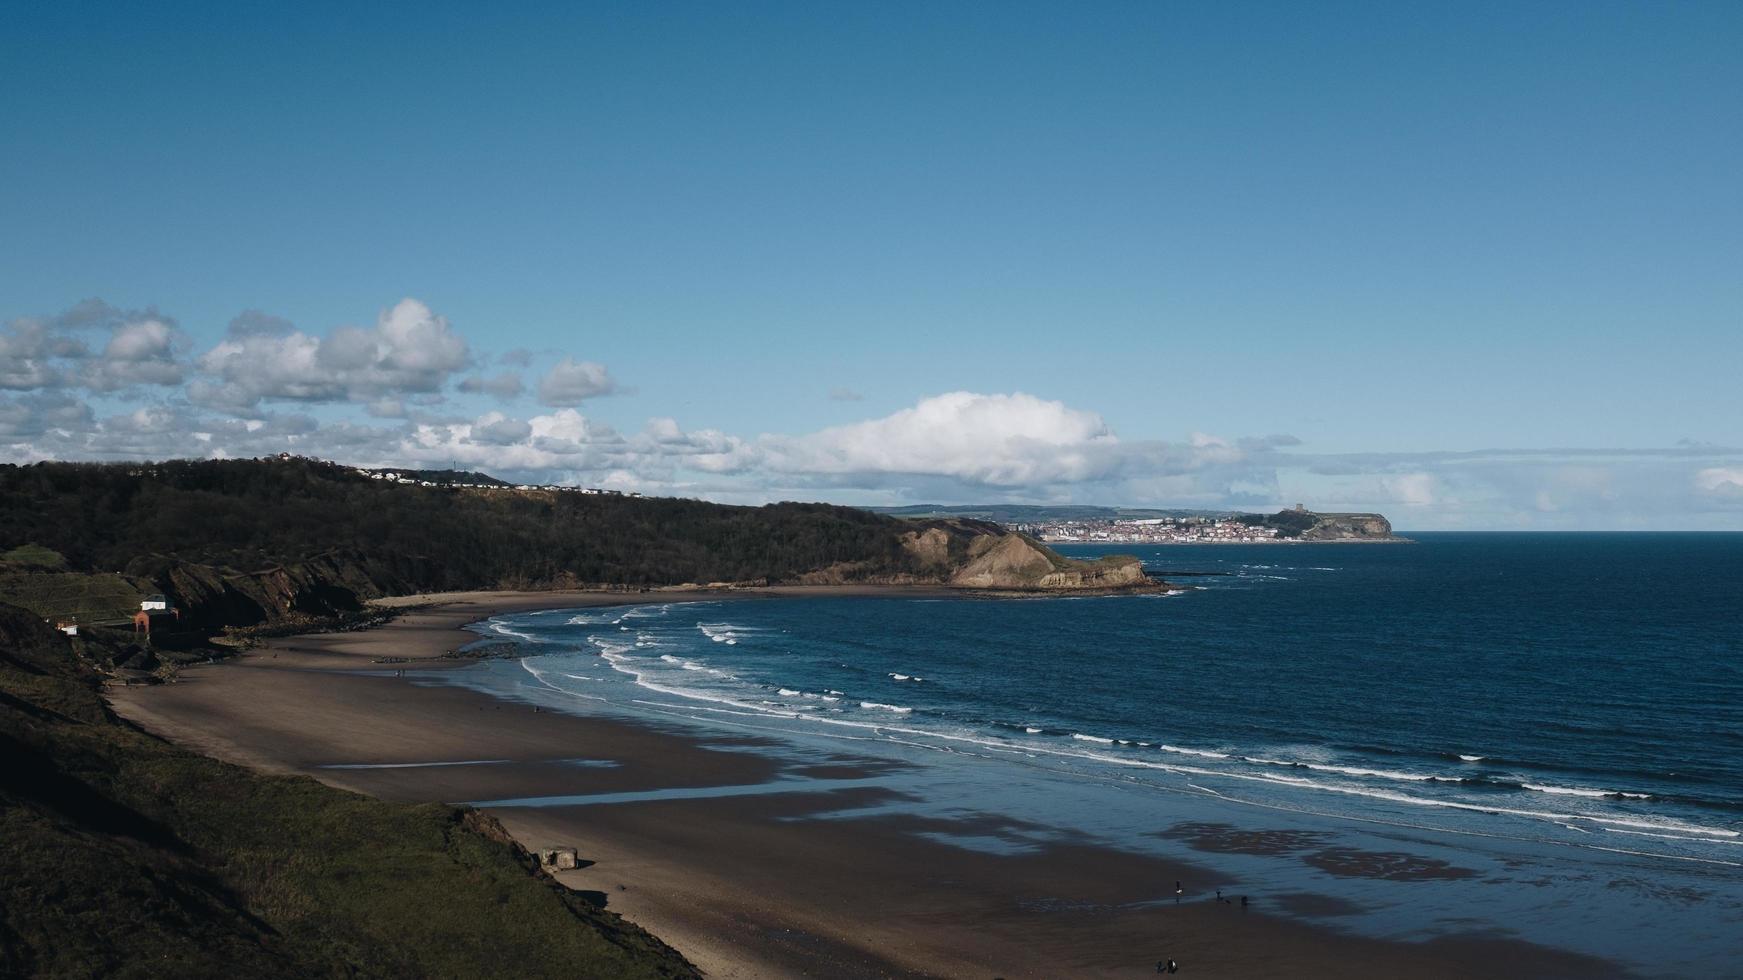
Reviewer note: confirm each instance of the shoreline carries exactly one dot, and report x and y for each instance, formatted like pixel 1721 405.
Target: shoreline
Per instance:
pixel 752 882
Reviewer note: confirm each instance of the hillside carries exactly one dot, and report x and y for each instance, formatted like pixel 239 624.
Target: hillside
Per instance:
pixel 122 856
pixel 240 542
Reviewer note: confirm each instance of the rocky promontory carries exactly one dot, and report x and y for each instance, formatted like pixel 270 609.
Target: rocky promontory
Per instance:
pixel 980 555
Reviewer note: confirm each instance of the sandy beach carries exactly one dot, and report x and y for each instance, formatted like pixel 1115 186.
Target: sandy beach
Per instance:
pixel 754 860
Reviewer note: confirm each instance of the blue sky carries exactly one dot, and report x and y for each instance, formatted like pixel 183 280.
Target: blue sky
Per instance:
pixel 1473 265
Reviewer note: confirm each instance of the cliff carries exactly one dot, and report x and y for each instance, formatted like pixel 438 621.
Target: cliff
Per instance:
pixel 977 555
pixel 1349 527
pixel 211 597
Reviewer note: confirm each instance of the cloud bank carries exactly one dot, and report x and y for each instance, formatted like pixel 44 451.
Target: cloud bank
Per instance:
pixel 98 382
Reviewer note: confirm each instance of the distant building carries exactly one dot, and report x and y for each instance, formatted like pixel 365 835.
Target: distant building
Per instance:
pixel 68 626
pixel 155 603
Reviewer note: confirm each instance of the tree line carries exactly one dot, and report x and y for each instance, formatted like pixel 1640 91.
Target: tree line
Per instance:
pixel 250 514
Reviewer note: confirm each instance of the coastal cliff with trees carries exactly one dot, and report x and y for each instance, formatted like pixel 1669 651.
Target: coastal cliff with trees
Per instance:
pixel 244 542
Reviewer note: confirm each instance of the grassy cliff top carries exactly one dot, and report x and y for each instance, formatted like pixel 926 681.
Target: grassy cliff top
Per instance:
pixel 122 856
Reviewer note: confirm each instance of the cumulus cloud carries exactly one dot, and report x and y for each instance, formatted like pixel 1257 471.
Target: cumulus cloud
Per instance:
pixel 29 353
pixel 138 352
pixel 31 416
pixel 572 382
pixel 410 349
pixel 988 439
pixel 496 430
pixel 143 348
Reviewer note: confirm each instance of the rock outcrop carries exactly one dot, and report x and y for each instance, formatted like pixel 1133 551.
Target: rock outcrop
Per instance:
pixel 1349 527
pixel 1013 561
pixel 211 597
pixel 969 554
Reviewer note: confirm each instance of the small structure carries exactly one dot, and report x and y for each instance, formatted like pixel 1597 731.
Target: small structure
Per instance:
pixel 68 626
pixel 155 603
pixel 559 859
pixel 143 618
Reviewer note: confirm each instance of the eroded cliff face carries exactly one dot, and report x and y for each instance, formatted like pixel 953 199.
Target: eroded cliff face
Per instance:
pixel 1349 527
pixel 211 597
pixel 1012 561
pixel 969 554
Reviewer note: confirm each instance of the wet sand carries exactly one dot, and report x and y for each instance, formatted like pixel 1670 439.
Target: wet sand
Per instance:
pixel 756 861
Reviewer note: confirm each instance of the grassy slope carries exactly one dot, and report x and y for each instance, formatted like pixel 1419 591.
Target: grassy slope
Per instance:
pixel 123 856
pixel 93 598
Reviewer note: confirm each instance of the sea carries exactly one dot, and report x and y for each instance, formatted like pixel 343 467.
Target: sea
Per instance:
pixel 1561 715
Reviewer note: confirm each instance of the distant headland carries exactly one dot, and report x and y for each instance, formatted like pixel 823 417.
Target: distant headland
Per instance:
pixel 1082 524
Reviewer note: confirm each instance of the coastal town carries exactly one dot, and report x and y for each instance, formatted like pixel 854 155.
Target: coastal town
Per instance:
pixel 454 479
pixel 416 479
pixel 1154 530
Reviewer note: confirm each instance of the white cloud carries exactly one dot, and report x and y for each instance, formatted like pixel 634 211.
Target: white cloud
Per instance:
pixel 1721 481
pixel 1411 489
pixel 31 416
pixel 572 382
pixel 496 430
pixel 411 349
pixel 1000 440
pixel 38 353
pixel 138 352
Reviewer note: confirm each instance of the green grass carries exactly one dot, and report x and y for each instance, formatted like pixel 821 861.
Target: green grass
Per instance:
pixel 91 598
pixel 123 856
pixel 35 556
